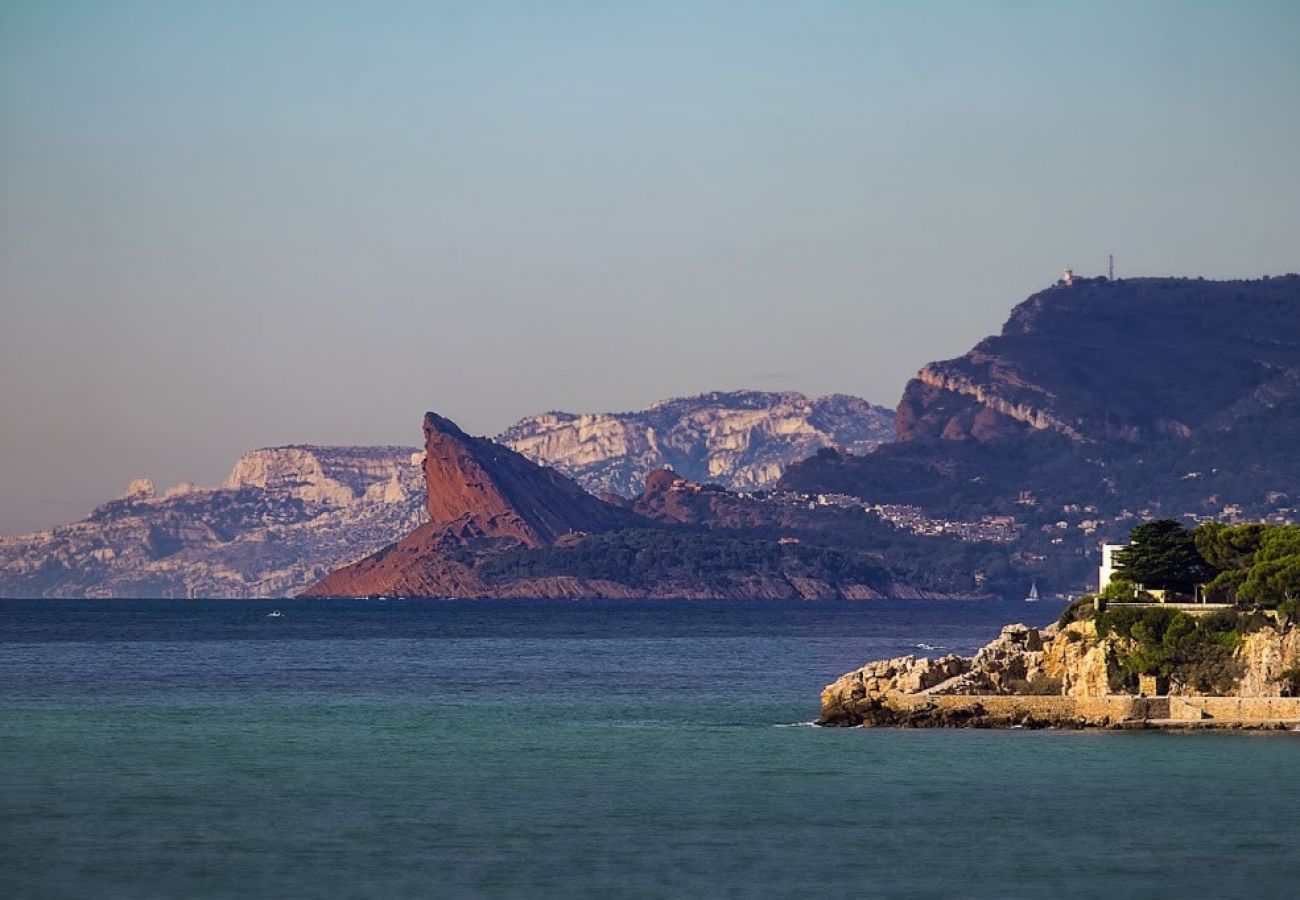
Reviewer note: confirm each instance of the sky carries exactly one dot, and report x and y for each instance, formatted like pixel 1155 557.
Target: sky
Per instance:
pixel 226 225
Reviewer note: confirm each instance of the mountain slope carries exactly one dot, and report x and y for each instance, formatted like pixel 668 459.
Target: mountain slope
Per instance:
pixel 739 439
pixel 284 517
pixel 1133 360
pixel 1100 404
pixel 498 493
pixel 479 495
pixel 501 526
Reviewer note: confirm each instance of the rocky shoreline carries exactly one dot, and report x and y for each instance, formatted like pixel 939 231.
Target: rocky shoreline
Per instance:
pixel 1060 677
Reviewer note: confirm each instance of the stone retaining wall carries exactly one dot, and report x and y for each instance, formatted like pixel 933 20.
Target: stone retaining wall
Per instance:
pixel 1109 710
pixel 1248 709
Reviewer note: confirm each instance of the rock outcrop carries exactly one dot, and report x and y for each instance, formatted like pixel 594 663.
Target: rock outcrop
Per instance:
pixel 485 489
pixel 741 439
pixel 480 496
pixel 502 526
pixel 284 518
pixel 1268 658
pixel 1045 668
pixel 288 516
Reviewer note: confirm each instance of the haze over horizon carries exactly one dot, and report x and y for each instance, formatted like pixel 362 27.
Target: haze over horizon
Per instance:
pixel 225 226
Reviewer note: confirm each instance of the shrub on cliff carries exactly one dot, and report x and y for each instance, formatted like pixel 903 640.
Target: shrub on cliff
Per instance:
pixel 1154 641
pixel 1204 661
pixel 1080 610
pixel 1137 623
pixel 1039 685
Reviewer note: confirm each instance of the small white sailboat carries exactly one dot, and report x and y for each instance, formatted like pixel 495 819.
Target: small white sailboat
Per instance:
pixel 1033 592
pixel 275 614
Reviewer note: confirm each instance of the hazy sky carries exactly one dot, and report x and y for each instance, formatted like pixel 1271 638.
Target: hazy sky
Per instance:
pixel 226 225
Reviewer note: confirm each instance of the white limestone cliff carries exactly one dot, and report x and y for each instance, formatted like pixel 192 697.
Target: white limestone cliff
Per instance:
pixel 739 439
pixel 284 517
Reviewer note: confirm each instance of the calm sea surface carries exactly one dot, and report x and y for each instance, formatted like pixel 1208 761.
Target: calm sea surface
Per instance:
pixel 371 749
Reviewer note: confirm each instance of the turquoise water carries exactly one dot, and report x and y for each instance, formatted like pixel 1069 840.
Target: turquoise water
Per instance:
pixel 596 749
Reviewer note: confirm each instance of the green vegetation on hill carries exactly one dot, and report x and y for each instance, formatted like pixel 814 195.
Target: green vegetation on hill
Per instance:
pixel 1193 651
pixel 643 558
pixel 1253 564
pixel 854 550
pixel 1257 563
pixel 1146 398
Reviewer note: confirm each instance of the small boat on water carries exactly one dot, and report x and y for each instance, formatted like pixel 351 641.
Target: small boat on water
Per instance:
pixel 275 614
pixel 1033 593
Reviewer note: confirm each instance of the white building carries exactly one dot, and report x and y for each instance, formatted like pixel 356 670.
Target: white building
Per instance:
pixel 1107 568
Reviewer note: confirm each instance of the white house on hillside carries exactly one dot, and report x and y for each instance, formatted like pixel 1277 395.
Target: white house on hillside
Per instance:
pixel 1107 569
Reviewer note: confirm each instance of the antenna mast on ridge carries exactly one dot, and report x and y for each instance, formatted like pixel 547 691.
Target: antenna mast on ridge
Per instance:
pixel 1112 267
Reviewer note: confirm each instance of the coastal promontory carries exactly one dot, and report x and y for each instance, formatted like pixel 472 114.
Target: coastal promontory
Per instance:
pixel 503 526
pixel 1189 627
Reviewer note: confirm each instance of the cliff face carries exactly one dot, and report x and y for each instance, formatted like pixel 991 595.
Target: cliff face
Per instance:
pixel 1130 360
pixel 740 440
pixel 329 476
pixel 284 517
pixel 496 492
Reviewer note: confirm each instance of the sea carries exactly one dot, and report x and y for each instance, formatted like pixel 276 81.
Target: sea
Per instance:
pixel 580 749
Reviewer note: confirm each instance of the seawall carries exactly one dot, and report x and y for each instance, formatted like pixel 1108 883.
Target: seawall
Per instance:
pixel 1112 711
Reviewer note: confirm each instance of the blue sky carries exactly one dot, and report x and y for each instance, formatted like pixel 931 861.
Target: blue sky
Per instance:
pixel 226 225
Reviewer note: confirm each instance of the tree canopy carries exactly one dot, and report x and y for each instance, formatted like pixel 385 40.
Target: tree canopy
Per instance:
pixel 1229 546
pixel 1252 563
pixel 1163 555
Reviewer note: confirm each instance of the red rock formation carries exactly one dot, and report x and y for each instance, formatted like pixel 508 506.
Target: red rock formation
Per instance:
pixel 479 494
pixel 504 527
pixel 497 493
pixel 413 567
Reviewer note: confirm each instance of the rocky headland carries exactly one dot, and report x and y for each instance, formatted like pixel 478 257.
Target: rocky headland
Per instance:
pixel 502 526
pixel 1073 676
pixel 1100 404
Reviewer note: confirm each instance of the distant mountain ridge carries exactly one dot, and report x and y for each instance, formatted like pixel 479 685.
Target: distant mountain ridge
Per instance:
pixel 283 518
pixel 286 516
pixel 741 440
pixel 1100 404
